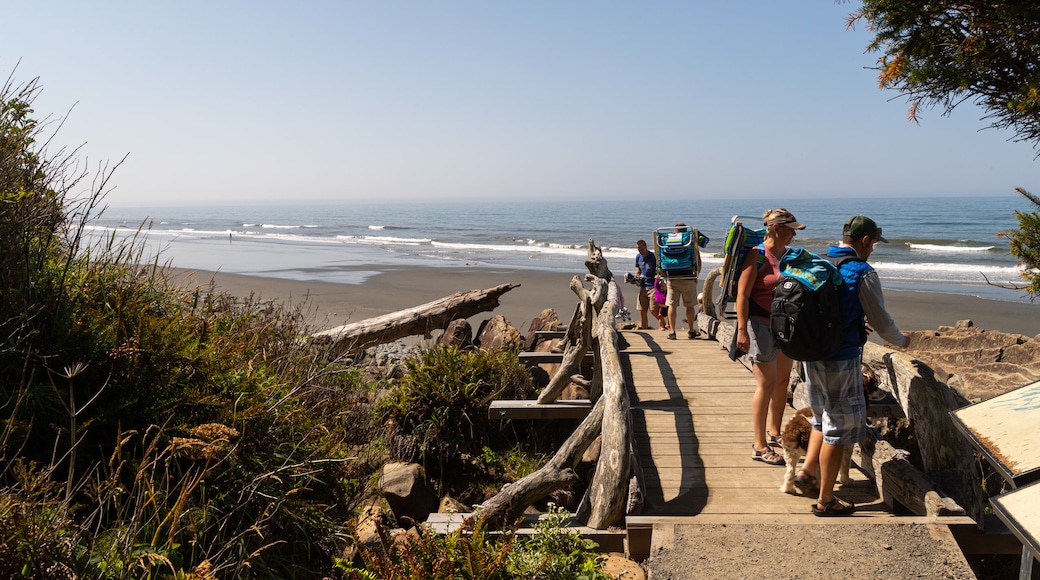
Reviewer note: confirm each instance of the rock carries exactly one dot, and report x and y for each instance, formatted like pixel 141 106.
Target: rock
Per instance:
pixel 451 505
pixel 977 364
pixel 547 320
pixel 371 518
pixel 459 333
pixel 497 334
pixel 618 566
pixel 404 487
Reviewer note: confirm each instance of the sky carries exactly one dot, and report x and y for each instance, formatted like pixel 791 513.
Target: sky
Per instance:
pixel 236 102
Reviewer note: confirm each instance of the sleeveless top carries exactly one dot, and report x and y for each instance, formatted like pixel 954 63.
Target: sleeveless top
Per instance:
pixel 766 281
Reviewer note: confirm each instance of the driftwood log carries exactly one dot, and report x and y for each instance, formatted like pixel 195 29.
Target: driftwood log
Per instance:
pixel 423 319
pixel 946 456
pixel 578 341
pixel 609 492
pixel 509 504
pixel 898 481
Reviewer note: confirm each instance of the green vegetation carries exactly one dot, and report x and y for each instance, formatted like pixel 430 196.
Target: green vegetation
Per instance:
pixel 152 431
pixel 1025 243
pixel 551 553
pixel 945 53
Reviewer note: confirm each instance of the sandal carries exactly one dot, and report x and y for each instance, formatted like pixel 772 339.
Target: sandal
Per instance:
pixel 671 336
pixel 766 455
pixel 806 483
pixel 775 441
pixel 834 508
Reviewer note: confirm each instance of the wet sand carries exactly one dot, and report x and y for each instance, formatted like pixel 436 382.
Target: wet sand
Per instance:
pixel 393 289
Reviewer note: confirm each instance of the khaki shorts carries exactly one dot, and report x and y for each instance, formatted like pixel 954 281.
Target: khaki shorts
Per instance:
pixel 685 288
pixel 646 297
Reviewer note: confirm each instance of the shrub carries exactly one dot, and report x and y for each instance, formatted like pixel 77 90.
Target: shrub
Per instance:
pixel 438 412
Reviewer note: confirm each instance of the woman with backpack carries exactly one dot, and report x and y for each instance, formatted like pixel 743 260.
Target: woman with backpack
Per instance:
pixel 759 274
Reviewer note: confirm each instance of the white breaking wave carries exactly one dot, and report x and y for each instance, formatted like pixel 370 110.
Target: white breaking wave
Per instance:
pixel 955 249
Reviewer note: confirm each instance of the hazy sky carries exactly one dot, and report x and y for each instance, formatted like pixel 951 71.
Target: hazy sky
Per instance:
pixel 233 102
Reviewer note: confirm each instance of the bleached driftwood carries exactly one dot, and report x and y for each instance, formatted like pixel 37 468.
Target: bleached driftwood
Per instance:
pixel 609 487
pixel 508 505
pixel 422 319
pixel 578 341
pixel 609 492
pixel 898 481
pixel 946 456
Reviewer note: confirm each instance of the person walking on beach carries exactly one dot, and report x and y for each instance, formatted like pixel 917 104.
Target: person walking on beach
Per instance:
pixel 646 266
pixel 836 385
pixel 682 284
pixel 759 275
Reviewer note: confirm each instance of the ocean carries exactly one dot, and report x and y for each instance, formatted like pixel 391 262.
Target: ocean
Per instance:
pixel 935 244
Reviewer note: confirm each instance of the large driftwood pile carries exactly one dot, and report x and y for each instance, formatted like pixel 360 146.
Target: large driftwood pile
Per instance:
pixel 607 497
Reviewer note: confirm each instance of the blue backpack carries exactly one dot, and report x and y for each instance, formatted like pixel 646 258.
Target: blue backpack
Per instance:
pixel 675 251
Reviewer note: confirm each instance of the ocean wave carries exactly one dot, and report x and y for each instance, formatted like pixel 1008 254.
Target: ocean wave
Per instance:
pixel 383 240
pixel 945 248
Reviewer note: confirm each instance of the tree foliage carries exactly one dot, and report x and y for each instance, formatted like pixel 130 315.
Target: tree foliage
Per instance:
pixel 944 53
pixel 1025 243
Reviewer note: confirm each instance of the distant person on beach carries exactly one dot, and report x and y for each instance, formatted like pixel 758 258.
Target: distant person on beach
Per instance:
pixel 646 266
pixel 836 385
pixel 682 284
pixel 759 274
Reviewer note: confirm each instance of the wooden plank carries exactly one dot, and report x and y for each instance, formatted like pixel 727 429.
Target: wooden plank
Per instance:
pixel 538 358
pixel 609 540
pixel 531 409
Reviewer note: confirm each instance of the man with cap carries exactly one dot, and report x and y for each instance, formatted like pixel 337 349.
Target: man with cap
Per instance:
pixel 836 385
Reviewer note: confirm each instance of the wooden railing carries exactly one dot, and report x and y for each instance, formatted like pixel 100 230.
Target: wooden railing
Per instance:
pixel 616 484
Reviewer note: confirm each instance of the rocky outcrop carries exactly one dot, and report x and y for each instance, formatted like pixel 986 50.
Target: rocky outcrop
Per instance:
pixel 977 364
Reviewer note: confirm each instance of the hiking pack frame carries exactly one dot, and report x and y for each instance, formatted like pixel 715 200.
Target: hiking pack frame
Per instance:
pixel 674 241
pixel 739 240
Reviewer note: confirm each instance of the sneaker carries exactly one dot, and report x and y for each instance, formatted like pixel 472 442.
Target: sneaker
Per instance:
pixel 766 455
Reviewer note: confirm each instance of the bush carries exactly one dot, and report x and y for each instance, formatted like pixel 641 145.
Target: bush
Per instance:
pixel 438 412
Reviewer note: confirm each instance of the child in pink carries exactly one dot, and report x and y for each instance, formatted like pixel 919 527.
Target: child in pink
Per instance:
pixel 660 311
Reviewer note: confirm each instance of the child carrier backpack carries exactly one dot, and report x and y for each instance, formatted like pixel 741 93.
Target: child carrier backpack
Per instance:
pixel 806 309
pixel 676 251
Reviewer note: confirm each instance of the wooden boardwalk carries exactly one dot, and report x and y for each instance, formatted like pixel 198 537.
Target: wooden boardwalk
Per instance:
pixel 691 411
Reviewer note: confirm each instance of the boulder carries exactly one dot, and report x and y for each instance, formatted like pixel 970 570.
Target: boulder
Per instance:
pixel 404 487
pixel 618 566
pixel 547 320
pixel 459 332
pixel 497 334
pixel 369 522
pixel 451 505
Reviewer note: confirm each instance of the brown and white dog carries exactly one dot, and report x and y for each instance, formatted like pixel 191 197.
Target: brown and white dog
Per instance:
pixel 795 441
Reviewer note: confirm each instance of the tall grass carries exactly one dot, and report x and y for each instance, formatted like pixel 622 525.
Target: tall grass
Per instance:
pixel 148 430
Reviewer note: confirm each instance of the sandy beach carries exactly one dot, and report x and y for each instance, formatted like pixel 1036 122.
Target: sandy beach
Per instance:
pixel 333 304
